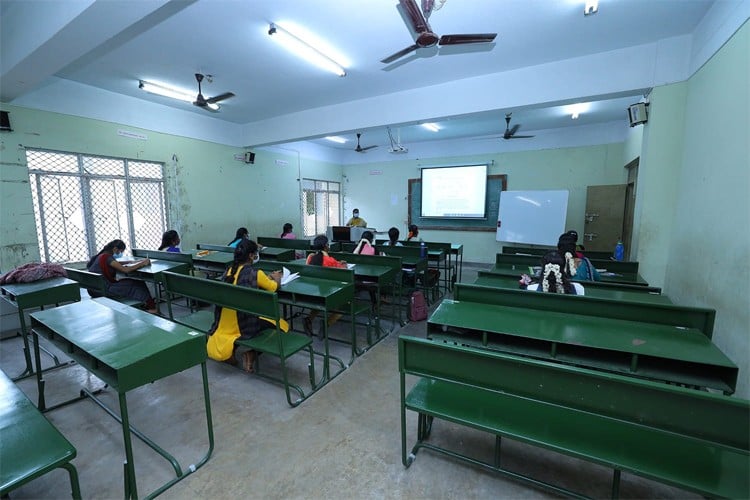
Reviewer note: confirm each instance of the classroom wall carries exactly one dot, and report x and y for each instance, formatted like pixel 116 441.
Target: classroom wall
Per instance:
pixel 210 194
pixel 379 190
pixel 709 255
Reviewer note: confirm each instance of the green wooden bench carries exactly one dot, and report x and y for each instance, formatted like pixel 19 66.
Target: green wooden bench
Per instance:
pixel 218 248
pixel 30 445
pixel 606 256
pixel 96 285
pixel 690 439
pixel 614 266
pixel 271 341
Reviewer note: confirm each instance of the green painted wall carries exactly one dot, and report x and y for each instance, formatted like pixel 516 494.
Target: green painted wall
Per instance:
pixel 379 190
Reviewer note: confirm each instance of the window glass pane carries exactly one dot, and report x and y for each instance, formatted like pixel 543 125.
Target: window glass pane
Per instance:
pixel 51 162
pixel 145 170
pixel 148 217
pixel 94 165
pixel 109 212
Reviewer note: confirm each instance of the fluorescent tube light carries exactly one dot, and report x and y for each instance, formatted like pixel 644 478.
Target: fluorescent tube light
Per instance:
pixel 576 109
pixel 174 93
pixel 335 138
pixel 431 126
pixel 591 7
pixel 305 50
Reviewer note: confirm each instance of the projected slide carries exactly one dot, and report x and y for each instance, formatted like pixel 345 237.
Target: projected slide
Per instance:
pixel 454 192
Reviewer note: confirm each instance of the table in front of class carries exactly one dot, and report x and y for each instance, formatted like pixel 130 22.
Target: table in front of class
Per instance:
pixel 647 350
pixel 25 296
pixel 129 348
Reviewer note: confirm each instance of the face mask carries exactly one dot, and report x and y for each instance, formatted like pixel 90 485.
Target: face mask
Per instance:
pixel 117 255
pixel 256 258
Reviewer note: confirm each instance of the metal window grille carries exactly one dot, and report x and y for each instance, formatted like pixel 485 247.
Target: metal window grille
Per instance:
pixel 320 206
pixel 83 202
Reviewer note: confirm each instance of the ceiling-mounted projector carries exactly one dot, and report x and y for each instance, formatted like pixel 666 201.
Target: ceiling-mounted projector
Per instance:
pixel 398 150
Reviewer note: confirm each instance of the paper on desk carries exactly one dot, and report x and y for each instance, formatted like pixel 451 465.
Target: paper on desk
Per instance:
pixel 350 266
pixel 287 276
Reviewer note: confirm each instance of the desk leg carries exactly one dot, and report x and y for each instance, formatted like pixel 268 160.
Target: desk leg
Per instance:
pixel 26 350
pixel 39 380
pixel 131 489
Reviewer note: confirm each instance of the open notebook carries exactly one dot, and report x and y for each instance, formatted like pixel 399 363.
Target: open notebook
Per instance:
pixel 287 276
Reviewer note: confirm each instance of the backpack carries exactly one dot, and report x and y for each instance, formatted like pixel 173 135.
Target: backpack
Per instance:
pixel 417 307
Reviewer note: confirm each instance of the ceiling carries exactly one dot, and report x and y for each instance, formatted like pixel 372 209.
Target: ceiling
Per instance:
pixel 102 48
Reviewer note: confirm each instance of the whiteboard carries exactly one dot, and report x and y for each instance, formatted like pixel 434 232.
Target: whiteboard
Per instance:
pixel 533 217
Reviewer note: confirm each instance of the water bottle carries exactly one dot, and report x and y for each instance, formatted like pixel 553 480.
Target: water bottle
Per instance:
pixel 619 250
pixel 422 249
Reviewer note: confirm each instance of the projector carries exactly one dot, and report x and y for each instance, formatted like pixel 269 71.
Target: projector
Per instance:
pixel 398 150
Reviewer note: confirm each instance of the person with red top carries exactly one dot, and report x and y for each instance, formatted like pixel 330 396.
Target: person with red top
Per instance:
pixel 106 264
pixel 321 258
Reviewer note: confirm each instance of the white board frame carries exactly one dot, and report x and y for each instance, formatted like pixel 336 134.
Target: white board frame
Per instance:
pixel 532 217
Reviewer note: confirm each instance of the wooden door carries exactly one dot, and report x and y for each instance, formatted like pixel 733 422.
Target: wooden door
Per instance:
pixel 605 214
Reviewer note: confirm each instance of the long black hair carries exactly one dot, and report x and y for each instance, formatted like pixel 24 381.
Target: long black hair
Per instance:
pixel 242 234
pixel 319 245
pixel 241 256
pixel 556 274
pixel 393 234
pixel 168 239
pixel 413 232
pixel 109 247
pixel 287 229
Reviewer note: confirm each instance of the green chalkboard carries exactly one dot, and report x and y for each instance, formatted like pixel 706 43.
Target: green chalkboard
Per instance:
pixel 495 184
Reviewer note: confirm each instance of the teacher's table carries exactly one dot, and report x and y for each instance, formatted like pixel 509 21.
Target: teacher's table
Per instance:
pixel 211 261
pixel 25 296
pixel 126 348
pixel 647 350
pixel 485 278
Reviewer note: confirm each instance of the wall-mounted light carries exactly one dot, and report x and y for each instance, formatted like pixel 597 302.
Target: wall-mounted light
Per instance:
pixel 172 92
pixel 336 139
pixel 591 7
pixel 431 126
pixel 304 50
pixel 576 109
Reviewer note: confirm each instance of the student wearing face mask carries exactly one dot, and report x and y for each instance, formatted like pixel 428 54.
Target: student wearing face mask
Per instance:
pixel 106 264
pixel 229 324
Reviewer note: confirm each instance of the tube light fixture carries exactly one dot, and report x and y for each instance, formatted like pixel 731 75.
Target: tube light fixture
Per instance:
pixel 431 126
pixel 576 109
pixel 336 138
pixel 305 50
pixel 174 93
pixel 591 7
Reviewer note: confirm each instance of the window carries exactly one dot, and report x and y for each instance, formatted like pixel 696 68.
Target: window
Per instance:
pixel 321 203
pixel 83 202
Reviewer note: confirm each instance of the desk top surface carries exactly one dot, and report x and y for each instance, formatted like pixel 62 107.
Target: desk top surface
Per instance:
pixel 135 347
pixel 158 266
pixel 634 337
pixel 18 289
pixel 332 292
pixel 518 269
pixel 599 293
pixel 276 251
pixel 213 256
pixel 42 292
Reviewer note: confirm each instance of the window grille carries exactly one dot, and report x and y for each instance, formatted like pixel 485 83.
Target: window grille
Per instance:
pixel 83 202
pixel 320 206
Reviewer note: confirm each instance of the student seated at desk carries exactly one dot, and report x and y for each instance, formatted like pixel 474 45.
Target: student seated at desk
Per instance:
pixel 556 276
pixel 229 325
pixel 241 235
pixel 393 234
pixel 106 264
pixel 585 270
pixel 286 232
pixel 413 232
pixel 170 241
pixel 321 258
pixel 364 247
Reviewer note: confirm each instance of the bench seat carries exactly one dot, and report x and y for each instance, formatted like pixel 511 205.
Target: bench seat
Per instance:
pixel 685 462
pixel 30 446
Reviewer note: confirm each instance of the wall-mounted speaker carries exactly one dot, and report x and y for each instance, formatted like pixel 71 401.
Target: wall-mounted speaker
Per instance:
pixel 5 122
pixel 638 113
pixel 249 157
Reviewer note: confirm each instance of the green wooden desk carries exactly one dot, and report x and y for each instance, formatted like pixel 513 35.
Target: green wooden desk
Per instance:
pixel 647 350
pixel 278 254
pixel 620 279
pixel 128 349
pixel 30 446
pixel 152 273
pixel 26 296
pixel 295 244
pixel 441 255
pixel 214 262
pixel 622 271
pixel 541 251
pixel 218 248
pixel 485 278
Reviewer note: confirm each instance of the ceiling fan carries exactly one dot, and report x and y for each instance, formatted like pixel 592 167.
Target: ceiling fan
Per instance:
pixel 510 133
pixel 360 149
pixel 426 37
pixel 204 103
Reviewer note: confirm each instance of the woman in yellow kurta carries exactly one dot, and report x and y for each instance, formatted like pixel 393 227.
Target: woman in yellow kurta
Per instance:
pixel 229 325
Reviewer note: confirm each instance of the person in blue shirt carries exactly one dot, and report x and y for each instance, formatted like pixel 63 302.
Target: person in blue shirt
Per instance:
pixel 170 241
pixel 242 234
pixel 583 269
pixel 555 276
